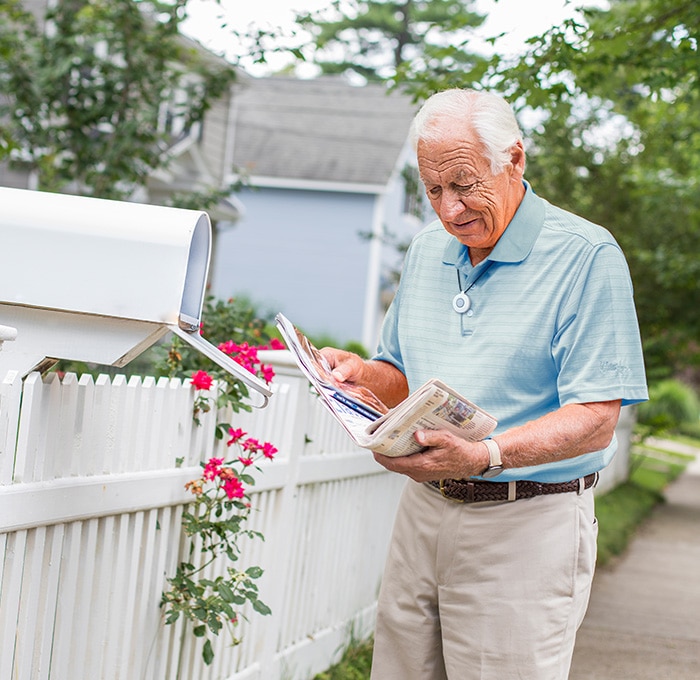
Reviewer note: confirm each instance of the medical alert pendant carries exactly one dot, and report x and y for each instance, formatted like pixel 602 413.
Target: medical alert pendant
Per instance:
pixel 461 302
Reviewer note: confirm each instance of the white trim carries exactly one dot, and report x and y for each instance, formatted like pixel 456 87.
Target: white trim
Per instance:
pixel 313 185
pixel 230 136
pixel 32 504
pixel 374 267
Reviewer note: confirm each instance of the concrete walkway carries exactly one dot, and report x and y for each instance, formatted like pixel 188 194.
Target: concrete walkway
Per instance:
pixel 643 622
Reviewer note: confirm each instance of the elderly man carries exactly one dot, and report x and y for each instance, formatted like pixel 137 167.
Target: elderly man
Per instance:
pixel 527 310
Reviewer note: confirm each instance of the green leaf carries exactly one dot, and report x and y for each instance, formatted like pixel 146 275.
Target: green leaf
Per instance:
pixel 199 631
pixel 261 608
pixel 172 616
pixel 207 653
pixel 215 623
pixel 254 572
pixel 226 592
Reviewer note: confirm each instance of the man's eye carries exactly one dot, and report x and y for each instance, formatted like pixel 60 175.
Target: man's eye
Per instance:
pixel 466 188
pixel 434 191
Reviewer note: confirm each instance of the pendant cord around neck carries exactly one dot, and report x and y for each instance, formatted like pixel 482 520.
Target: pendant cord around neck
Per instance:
pixel 486 267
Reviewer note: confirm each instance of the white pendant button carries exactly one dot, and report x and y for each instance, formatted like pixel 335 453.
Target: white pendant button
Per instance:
pixel 461 303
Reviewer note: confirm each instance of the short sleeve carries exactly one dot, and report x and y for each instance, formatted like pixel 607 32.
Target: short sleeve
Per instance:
pixel 389 349
pixel 597 347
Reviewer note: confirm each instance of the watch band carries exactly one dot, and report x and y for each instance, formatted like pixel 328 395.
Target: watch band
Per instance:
pixel 495 463
pixel 494 453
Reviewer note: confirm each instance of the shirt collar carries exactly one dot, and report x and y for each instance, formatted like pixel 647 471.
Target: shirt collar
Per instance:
pixel 517 240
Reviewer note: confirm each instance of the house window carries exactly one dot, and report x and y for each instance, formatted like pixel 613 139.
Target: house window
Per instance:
pixel 173 116
pixel 413 192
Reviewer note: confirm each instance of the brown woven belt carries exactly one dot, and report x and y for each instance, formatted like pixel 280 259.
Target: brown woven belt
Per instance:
pixel 467 491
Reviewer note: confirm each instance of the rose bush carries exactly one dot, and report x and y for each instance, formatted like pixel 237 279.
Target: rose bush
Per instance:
pixel 215 521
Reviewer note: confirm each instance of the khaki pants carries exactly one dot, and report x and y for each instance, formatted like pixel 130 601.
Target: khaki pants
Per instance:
pixel 485 591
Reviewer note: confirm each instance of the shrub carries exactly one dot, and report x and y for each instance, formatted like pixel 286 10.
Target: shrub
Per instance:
pixel 671 404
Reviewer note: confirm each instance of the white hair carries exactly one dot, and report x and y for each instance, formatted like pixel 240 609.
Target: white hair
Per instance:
pixel 486 114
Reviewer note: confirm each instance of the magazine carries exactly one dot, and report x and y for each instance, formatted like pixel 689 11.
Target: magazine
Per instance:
pixel 368 422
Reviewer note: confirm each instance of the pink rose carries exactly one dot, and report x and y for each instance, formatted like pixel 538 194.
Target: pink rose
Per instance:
pixel 201 380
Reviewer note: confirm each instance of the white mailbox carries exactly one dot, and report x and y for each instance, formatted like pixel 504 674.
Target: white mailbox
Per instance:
pixel 100 281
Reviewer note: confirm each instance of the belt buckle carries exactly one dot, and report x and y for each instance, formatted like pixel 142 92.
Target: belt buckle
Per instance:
pixel 444 493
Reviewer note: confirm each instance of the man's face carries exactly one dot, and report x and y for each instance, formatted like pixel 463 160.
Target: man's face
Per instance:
pixel 473 205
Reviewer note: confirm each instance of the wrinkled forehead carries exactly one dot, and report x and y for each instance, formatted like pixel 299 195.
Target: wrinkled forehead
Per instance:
pixel 451 158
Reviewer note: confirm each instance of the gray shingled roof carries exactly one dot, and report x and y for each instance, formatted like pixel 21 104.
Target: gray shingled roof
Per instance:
pixel 322 129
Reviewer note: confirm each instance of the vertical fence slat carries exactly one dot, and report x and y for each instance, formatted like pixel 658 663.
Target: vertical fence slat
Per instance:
pixel 163 660
pixel 10 597
pixel 143 397
pixel 28 450
pixel 180 426
pixel 157 424
pixel 66 611
pixel 81 607
pixel 46 618
pixel 83 460
pixel 47 464
pixel 10 400
pixel 119 441
pixel 126 643
pixel 100 428
pixel 116 618
pixel 103 596
pixel 140 638
pixel 27 630
pixel 62 449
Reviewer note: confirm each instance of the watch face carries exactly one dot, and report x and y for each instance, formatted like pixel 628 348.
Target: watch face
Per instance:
pixel 492 471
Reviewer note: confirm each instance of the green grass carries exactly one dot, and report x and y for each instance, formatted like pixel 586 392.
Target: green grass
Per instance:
pixel 619 513
pixel 623 509
pixel 355 664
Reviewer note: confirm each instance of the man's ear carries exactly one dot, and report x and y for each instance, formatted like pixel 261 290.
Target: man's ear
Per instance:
pixel 517 157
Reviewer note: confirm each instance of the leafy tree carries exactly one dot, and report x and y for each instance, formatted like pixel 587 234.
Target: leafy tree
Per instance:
pixel 621 144
pixel 82 89
pixel 402 39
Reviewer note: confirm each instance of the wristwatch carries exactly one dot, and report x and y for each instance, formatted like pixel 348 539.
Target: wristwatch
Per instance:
pixel 495 464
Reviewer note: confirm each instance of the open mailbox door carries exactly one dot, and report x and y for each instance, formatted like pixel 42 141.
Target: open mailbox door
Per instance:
pixel 205 347
pixel 100 281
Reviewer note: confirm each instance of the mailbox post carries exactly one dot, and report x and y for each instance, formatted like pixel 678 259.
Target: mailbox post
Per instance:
pixel 100 281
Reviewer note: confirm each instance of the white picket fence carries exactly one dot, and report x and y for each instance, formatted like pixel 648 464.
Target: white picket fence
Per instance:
pixel 91 498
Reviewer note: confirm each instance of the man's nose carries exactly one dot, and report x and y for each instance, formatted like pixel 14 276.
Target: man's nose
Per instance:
pixel 451 206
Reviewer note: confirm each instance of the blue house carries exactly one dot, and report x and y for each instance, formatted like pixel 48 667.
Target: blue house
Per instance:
pixel 330 175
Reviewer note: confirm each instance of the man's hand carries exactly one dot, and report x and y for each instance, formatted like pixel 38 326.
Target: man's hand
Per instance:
pixel 383 379
pixel 446 457
pixel 347 367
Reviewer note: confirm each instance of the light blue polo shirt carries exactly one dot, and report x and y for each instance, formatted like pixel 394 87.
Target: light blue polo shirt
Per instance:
pixel 552 322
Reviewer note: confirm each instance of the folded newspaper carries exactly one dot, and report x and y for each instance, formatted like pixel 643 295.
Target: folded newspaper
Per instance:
pixel 434 406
